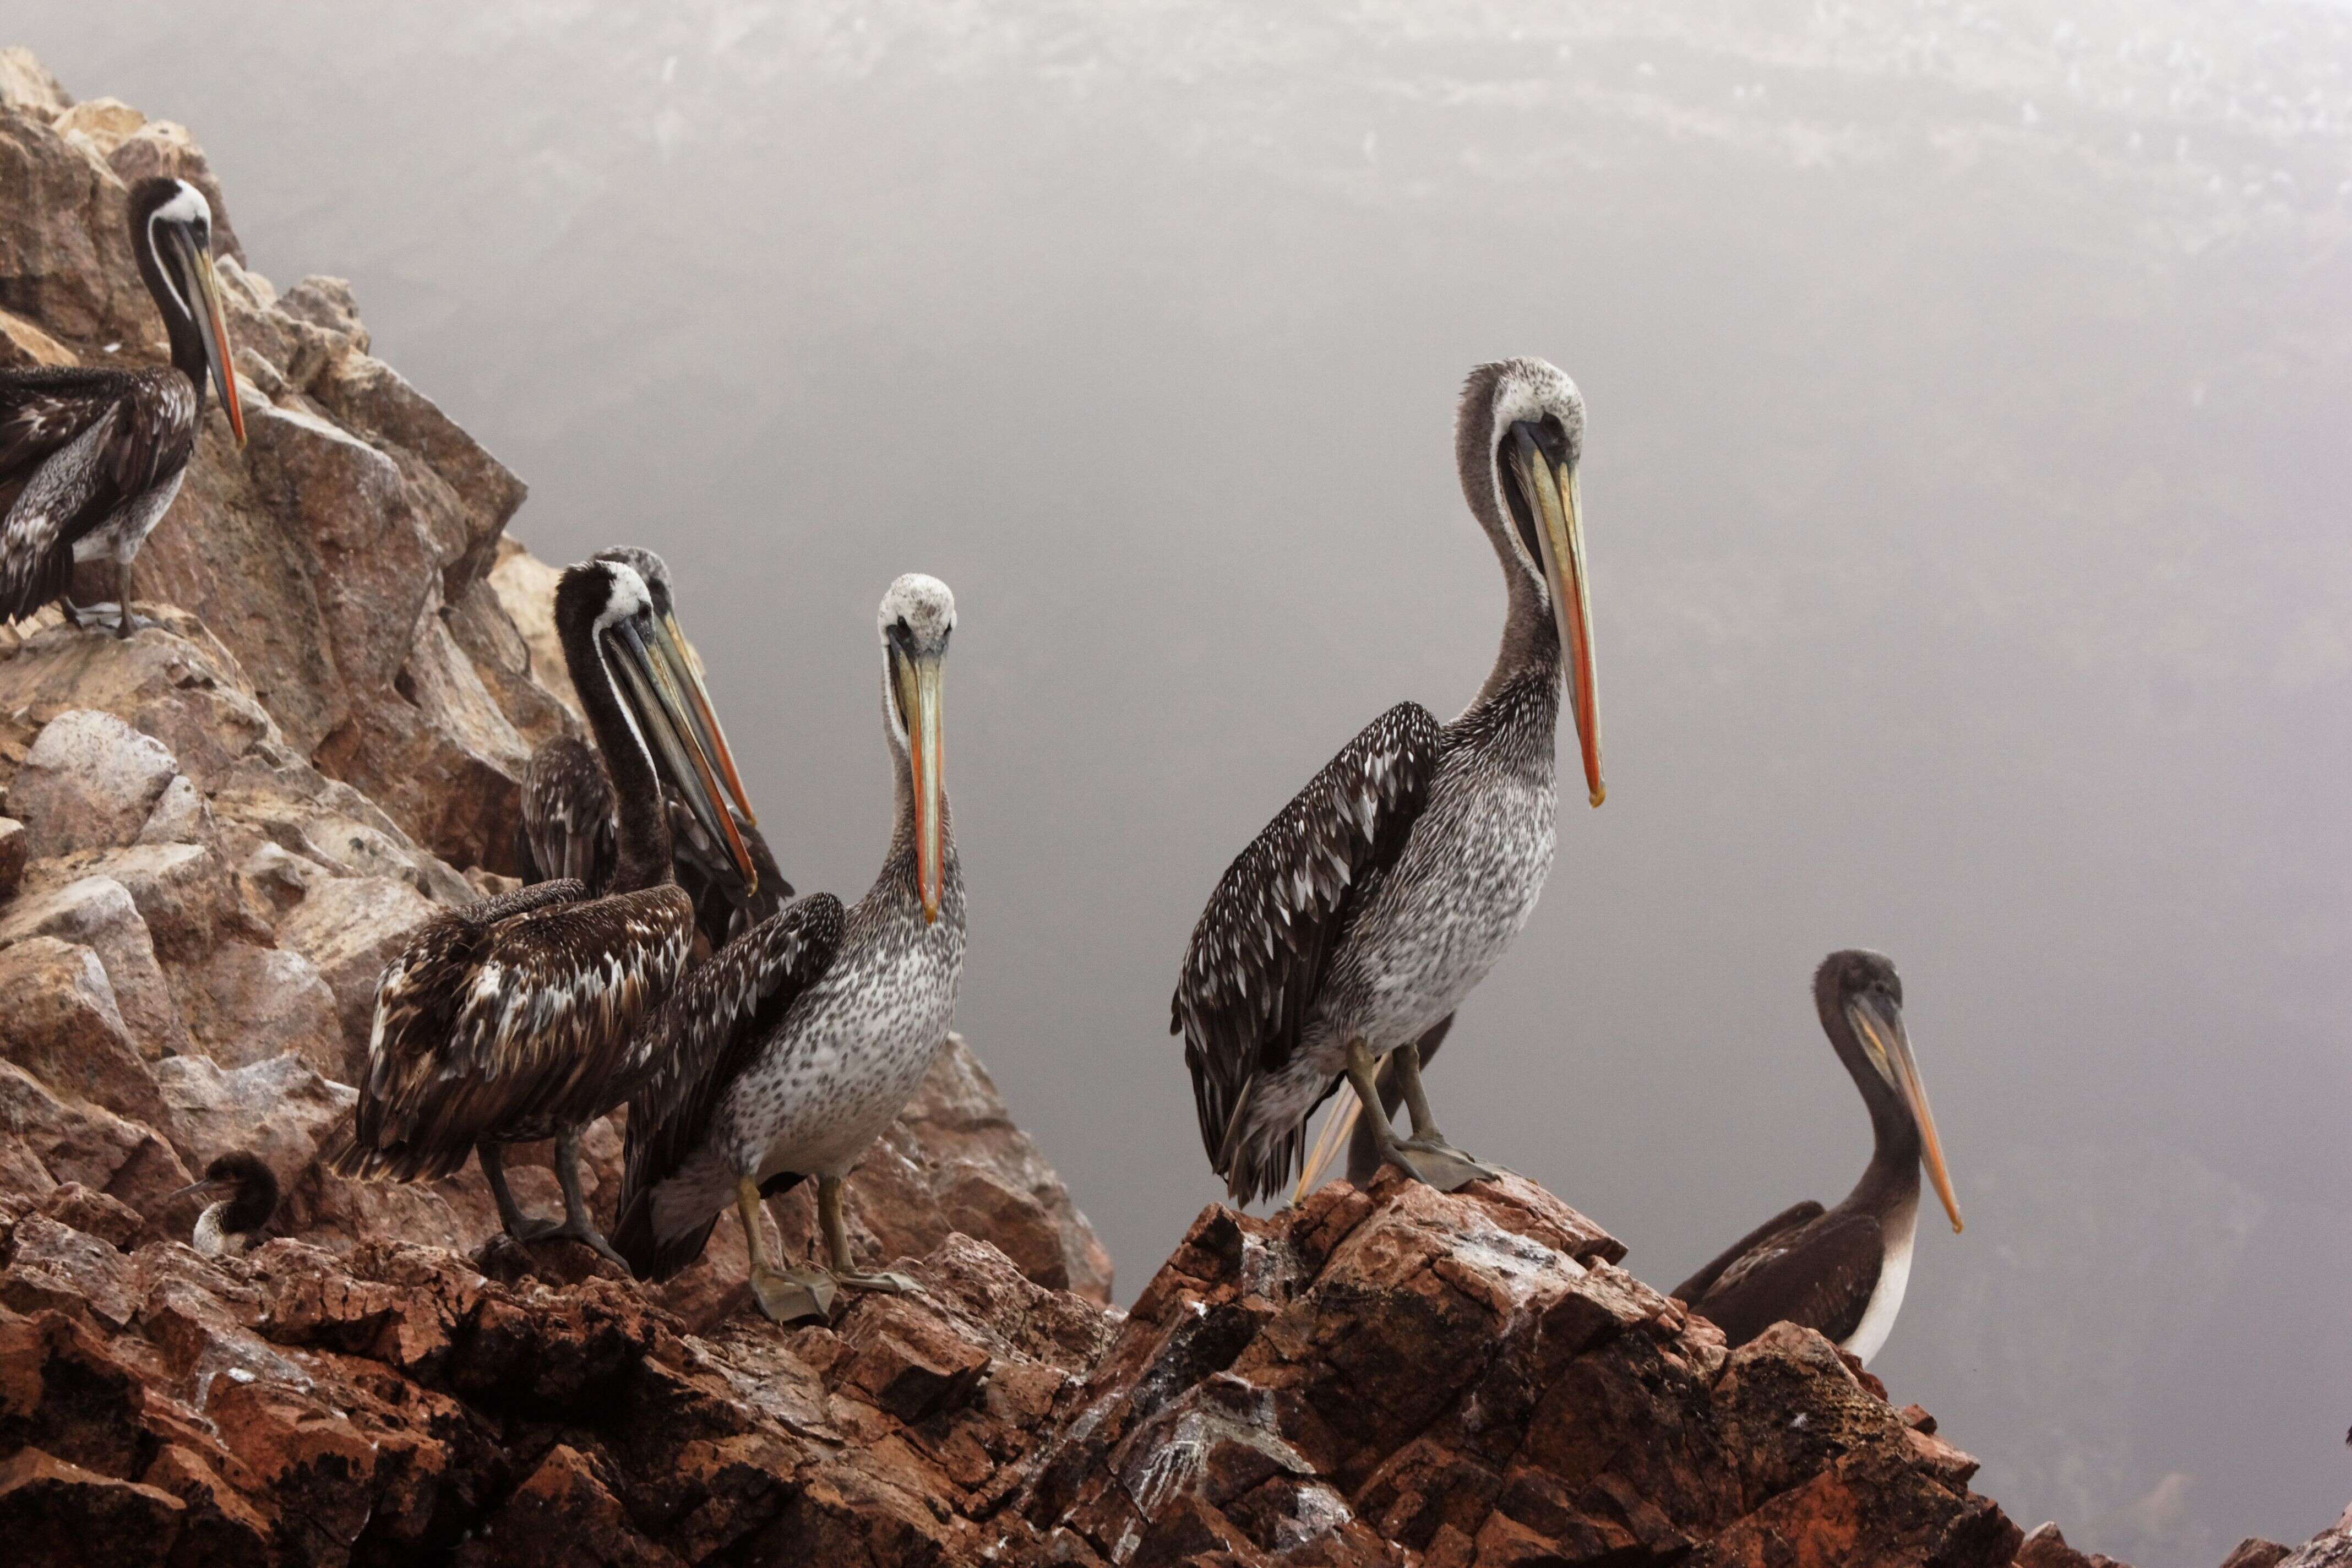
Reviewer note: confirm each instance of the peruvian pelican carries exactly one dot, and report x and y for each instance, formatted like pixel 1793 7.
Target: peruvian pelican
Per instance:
pixel 1843 1271
pixel 518 1019
pixel 1380 897
pixel 785 1055
pixel 95 455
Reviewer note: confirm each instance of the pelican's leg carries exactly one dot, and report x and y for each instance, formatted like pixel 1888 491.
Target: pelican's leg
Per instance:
pixel 1424 1159
pixel 836 1246
pixel 578 1223
pixel 494 1172
pixel 785 1295
pixel 128 623
pixel 1438 1162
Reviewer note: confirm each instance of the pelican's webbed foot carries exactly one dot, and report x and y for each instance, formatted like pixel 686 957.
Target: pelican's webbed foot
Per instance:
pixel 1433 1160
pixel 793 1296
pixel 888 1284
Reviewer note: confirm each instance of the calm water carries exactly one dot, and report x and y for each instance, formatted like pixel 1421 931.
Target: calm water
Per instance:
pixel 1964 485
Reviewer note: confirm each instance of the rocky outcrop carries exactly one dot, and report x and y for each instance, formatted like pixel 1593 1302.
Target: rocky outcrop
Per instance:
pixel 216 832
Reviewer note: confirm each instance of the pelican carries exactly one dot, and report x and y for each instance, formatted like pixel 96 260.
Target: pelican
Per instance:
pixel 94 457
pixel 1365 912
pixel 568 826
pixel 1843 1271
pixel 786 1055
pixel 233 1225
pixel 517 1019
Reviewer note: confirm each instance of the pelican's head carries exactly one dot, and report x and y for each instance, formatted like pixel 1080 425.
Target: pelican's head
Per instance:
pixel 1518 436
pixel 917 617
pixel 685 668
pixel 1859 998
pixel 172 234
pixel 604 613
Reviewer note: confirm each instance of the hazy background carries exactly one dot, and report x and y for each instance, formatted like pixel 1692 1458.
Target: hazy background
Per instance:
pixel 1969 392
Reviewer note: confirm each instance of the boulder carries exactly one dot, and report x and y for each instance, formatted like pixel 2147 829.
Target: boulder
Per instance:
pixel 90 783
pixel 246 1003
pixel 350 928
pixel 97 912
pixel 59 1021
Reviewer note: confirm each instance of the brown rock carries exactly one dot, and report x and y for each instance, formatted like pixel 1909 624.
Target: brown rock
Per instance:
pixel 24 346
pixel 280 1109
pixel 246 1003
pixel 350 928
pixel 89 782
pixel 58 1022
pixel 51 1512
pixel 25 84
pixel 94 1214
pixel 564 1515
pixel 97 912
pixel 2254 1552
pixel 52 1266
pixel 72 1142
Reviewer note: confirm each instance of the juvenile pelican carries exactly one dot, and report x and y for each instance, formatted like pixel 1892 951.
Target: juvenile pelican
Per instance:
pixel 234 1225
pixel 786 1055
pixel 518 1019
pixel 1365 912
pixel 94 457
pixel 1843 1271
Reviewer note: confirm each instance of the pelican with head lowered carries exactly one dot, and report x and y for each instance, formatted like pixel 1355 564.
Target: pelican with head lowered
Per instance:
pixel 786 1055
pixel 518 1019
pixel 90 459
pixel 1379 897
pixel 569 827
pixel 1843 1271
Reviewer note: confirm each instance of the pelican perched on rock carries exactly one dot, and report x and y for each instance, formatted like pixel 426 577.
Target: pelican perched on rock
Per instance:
pixel 233 1225
pixel 93 456
pixel 1365 912
pixel 786 1055
pixel 569 828
pixel 1843 1271
pixel 518 1019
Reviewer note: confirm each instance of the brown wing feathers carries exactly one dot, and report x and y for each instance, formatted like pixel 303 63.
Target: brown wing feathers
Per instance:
pixel 505 1022
pixel 1256 959
pixel 699 1042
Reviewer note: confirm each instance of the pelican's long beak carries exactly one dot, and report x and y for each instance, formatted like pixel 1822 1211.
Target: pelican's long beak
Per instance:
pixel 215 328
pixel 687 675
pixel 669 731
pixel 1551 490
pixel 917 675
pixel 1881 1028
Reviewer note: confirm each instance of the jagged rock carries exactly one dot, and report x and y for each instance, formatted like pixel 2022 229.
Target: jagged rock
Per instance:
pixel 91 781
pixel 45 1141
pixel 2256 1552
pixel 349 929
pixel 24 346
pixel 59 1021
pixel 25 84
pixel 97 912
pixel 246 1003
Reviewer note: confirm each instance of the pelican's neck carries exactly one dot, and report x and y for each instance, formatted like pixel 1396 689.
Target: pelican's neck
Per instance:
pixel 643 842
pixel 179 324
pixel 1530 645
pixel 1892 1174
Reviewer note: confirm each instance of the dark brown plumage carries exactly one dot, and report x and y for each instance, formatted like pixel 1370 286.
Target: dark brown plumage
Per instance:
pixel 567 827
pixel 91 459
pixel 1841 1270
pixel 518 1020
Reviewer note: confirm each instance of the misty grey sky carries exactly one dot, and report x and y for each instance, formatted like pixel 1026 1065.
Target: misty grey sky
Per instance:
pixel 1968 389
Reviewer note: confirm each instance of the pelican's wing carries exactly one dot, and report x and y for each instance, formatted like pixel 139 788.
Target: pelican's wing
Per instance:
pixel 62 472
pixel 520 1014
pixel 1818 1274
pixel 567 814
pixel 1256 959
pixel 1692 1290
pixel 700 1041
